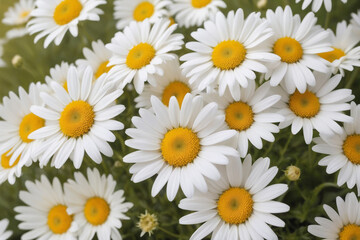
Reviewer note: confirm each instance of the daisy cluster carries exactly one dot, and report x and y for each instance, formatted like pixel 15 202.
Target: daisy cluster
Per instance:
pixel 194 115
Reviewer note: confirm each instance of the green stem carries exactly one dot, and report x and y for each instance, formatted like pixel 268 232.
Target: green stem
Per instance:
pixel 327 20
pixel 352 78
pixel 282 153
pixel 169 233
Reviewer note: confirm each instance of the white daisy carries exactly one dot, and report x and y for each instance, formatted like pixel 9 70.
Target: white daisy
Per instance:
pixel 139 10
pixel 59 74
pixel 96 206
pixel 77 121
pixel 355 19
pixel 45 216
pixel 318 107
pixel 55 17
pixel 4 235
pixel 240 204
pixel 250 115
pixel 343 151
pixel 228 51
pixel 182 145
pixel 172 83
pixel 97 59
pixel 19 13
pixel 297 43
pixel 342 225
pixel 140 51
pixel 189 13
pixel 316 4
pixel 16 148
pixel 344 55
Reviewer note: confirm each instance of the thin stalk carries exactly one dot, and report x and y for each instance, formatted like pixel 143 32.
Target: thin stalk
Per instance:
pixel 169 233
pixel 352 78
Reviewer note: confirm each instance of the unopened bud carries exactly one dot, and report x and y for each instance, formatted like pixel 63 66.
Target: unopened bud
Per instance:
pixel 292 173
pixel 261 4
pixel 17 61
pixel 118 164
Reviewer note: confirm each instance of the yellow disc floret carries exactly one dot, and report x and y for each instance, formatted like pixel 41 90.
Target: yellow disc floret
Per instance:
pixel 200 3
pixel 96 211
pixel 289 49
pixel 77 119
pixel 143 10
pixel 350 232
pixel 103 68
pixel 177 89
pixel 351 148
pixel 305 105
pixel 235 205
pixel 24 14
pixel 180 146
pixel 239 116
pixel 228 55
pixel 66 11
pixel 30 123
pixel 65 86
pixel 5 161
pixel 140 56
pixel 331 56
pixel 58 220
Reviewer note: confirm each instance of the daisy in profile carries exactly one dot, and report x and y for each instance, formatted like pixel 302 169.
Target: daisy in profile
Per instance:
pixel 343 224
pixel 45 215
pixel 96 206
pixel 227 51
pixel 343 151
pixel 297 44
pixel 345 55
pixel 316 4
pixel 59 74
pixel 320 107
pixel 77 121
pixel 240 205
pixel 4 235
pixel 140 51
pixel 139 10
pixel 172 83
pixel 189 13
pixel 53 18
pixel 181 145
pixel 250 115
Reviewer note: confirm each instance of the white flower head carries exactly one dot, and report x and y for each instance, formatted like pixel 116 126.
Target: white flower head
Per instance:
pixel 19 13
pixel 316 4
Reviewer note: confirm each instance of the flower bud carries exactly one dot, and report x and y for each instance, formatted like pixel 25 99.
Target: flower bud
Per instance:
pixel 292 173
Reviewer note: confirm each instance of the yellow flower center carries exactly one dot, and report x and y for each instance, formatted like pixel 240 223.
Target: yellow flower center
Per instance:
pixel 239 116
pixel 140 56
pixel 228 54
pixel 351 148
pixel 65 86
pixel 58 219
pixel 103 68
pixel 66 11
pixel 96 211
pixel 331 56
pixel 235 205
pixel 350 232
pixel 30 123
pixel 305 105
pixel 24 14
pixel 180 146
pixel 76 119
pixel 177 89
pixel 143 10
pixel 289 49
pixel 172 21
pixel 5 161
pixel 200 3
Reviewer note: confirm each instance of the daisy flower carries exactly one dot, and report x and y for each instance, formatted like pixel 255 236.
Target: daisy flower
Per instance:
pixel 45 215
pixel 344 224
pixel 189 13
pixel 59 74
pixel 140 51
pixel 355 19
pixel 297 43
pixel 316 4
pixel 344 55
pixel 182 145
pixel 228 51
pixel 53 18
pixel 139 10
pixel 172 83
pixel 19 13
pixel 4 235
pixel 97 59
pixel 95 205
pixel 318 107
pixel 250 115
pixel 240 205
pixel 77 121
pixel 343 151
